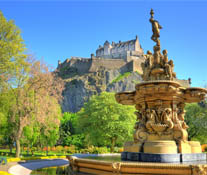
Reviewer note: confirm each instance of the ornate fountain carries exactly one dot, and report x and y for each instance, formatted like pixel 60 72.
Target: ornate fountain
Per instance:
pixel 160 131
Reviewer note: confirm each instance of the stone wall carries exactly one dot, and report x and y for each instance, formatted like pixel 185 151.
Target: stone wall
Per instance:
pixel 79 65
pixel 87 65
pixel 111 64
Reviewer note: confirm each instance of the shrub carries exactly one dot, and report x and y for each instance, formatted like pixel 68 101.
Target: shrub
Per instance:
pixel 95 150
pixel 59 148
pixel 118 150
pixel 44 149
pixel 71 149
pixel 53 148
pixel 204 147
pixel 102 150
pixel 121 150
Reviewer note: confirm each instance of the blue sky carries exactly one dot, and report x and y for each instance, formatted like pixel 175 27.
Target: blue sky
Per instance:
pixel 55 30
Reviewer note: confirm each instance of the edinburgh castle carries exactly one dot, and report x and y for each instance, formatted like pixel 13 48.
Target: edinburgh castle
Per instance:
pixel 123 56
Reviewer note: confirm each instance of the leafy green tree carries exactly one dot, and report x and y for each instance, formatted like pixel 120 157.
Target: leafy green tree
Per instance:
pixel 196 119
pixel 6 132
pixel 68 131
pixel 36 92
pixel 104 121
pixel 12 49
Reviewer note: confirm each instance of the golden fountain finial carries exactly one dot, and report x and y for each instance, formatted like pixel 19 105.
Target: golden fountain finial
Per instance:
pixel 155 28
pixel 152 13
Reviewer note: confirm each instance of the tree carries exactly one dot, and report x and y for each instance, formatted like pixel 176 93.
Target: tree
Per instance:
pixel 104 121
pixel 33 90
pixel 43 133
pixel 196 119
pixel 6 102
pixel 12 55
pixel 36 92
pixel 12 48
pixel 68 131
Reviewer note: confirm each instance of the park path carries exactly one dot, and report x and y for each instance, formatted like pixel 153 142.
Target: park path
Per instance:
pixel 26 168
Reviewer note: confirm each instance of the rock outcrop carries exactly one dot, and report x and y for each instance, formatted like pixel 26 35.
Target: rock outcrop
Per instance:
pixel 79 88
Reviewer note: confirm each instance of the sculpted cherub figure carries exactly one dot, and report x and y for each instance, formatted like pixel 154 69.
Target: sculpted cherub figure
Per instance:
pixel 168 66
pixel 157 56
pixel 146 66
pixel 149 59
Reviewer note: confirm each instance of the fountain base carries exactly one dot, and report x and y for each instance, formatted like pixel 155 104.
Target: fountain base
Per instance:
pixel 162 158
pixel 163 151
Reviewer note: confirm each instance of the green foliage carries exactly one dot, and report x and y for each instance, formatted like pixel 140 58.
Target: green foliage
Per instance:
pixel 104 121
pixel 75 139
pixel 68 131
pixel 95 150
pixel 120 77
pixel 12 47
pixel 196 119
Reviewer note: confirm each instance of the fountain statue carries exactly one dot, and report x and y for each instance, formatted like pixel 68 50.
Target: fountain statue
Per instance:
pixel 160 129
pixel 160 141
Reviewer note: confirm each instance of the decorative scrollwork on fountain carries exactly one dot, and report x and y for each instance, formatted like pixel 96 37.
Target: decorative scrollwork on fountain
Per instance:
pixel 159 120
pixel 199 169
pixel 116 167
pixel 72 161
pixel 140 134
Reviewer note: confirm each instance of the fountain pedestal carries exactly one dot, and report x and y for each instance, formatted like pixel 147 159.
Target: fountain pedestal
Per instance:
pixel 160 133
pixel 160 126
pixel 160 100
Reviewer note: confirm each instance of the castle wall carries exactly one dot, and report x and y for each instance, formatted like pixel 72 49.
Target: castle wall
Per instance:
pixel 107 63
pixel 82 65
pixel 137 65
pixel 79 65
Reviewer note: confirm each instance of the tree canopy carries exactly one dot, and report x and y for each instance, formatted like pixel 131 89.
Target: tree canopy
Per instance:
pixel 104 121
pixel 196 119
pixel 12 48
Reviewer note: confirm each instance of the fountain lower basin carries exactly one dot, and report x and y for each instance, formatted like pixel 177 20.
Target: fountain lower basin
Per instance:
pixel 82 165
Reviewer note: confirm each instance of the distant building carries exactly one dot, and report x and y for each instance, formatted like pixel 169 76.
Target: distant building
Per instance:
pixel 123 56
pixel 127 50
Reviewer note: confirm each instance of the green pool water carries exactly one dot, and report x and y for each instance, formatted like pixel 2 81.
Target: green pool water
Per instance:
pixel 64 170
pixel 48 171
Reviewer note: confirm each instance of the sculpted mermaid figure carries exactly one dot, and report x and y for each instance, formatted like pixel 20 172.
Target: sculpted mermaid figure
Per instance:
pixel 167 119
pixel 151 119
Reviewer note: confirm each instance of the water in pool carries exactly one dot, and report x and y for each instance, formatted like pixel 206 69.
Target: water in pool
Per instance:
pixel 64 170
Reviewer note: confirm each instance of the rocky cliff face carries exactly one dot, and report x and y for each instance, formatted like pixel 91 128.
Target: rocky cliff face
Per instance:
pixel 79 88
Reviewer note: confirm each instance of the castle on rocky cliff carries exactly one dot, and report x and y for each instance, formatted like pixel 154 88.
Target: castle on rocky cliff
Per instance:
pixel 123 56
